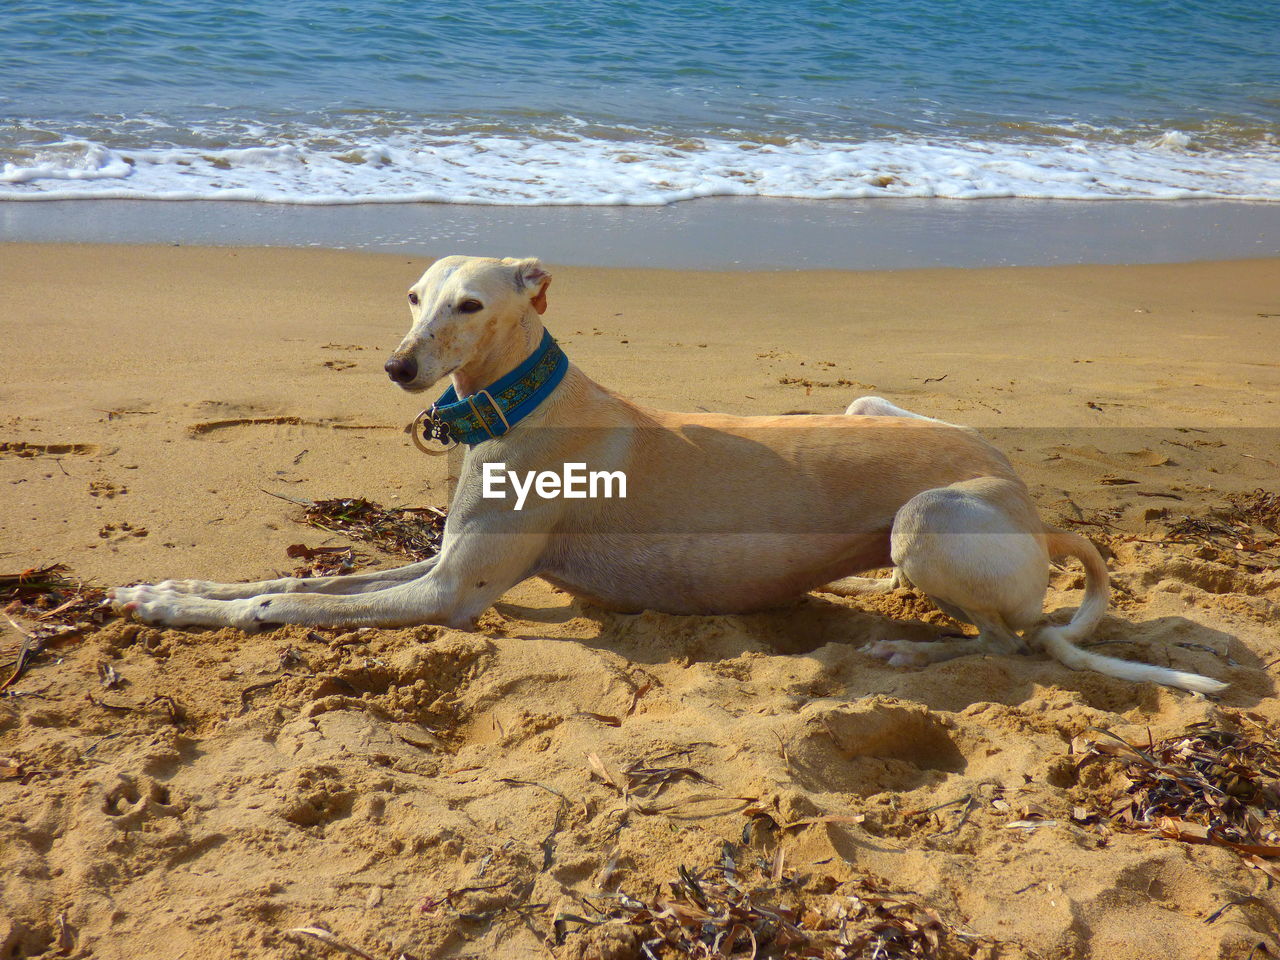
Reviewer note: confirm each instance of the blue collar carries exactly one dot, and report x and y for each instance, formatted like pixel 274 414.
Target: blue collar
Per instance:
pixel 495 410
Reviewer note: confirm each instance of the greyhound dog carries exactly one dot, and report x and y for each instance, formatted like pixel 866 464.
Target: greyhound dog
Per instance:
pixel 721 514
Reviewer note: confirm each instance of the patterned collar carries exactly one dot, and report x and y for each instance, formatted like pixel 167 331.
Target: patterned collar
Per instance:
pixel 496 409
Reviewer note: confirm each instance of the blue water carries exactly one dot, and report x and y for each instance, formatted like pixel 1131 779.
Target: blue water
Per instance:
pixel 608 101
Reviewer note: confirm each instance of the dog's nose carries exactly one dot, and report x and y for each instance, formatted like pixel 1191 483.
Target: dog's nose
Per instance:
pixel 401 369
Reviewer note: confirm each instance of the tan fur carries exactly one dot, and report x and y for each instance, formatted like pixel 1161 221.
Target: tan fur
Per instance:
pixel 723 514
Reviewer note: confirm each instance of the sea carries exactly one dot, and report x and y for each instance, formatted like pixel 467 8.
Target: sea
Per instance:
pixel 623 102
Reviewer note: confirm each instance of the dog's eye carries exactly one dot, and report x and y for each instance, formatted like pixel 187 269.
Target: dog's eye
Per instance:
pixel 470 306
pixel 413 298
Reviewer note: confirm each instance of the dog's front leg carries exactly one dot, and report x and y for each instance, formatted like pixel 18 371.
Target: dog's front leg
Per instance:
pixel 473 570
pixel 342 583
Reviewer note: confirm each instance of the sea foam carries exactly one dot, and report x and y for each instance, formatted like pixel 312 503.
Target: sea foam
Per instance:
pixel 338 167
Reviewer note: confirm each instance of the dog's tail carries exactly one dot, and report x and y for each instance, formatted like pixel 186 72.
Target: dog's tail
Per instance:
pixel 1060 641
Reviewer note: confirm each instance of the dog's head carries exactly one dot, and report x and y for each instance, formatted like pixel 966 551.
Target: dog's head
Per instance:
pixel 464 310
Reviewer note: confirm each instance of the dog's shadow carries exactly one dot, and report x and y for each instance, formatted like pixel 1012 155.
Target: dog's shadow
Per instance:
pixel 835 633
pixel 561 614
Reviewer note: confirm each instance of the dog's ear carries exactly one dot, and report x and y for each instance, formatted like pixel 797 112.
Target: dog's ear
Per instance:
pixel 530 276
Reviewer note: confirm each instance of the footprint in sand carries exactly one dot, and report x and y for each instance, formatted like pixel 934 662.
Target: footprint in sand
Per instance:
pixel 16 448
pixel 132 801
pixel 124 530
pixel 106 489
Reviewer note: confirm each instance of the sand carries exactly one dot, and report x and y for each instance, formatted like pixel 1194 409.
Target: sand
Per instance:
pixel 710 234
pixel 430 792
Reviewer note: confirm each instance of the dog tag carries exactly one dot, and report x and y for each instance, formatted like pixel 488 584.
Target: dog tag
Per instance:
pixel 426 427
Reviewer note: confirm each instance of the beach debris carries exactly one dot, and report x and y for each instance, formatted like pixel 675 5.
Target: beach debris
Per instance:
pixel 638 694
pixel 1106 520
pixel 413 532
pixel 1228 905
pixel 176 714
pixel 246 694
pixel 291 656
pixel 1249 523
pixel 56 605
pixel 53 607
pixel 649 778
pixel 761 819
pixel 1245 530
pixel 1217 784
pixel 1111 480
pixel 642 782
pixel 645 779
pixel 1029 825
pixel 322 561
pixel 562 811
pixel 328 939
pixel 809 384
pixel 109 676
pixel 113 707
pixel 66 941
pixel 749 905
pixel 48 594
pixel 27 652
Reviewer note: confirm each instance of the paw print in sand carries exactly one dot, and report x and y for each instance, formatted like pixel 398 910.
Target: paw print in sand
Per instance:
pixel 121 531
pixel 132 801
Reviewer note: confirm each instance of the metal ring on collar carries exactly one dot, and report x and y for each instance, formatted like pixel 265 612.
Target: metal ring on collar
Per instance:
pixel 416 431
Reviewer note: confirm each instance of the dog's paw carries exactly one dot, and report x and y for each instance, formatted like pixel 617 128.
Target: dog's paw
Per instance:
pixel 119 598
pixel 163 606
pixel 151 603
pixel 899 653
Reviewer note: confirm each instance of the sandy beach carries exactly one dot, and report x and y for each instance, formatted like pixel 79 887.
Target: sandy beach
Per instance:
pixel 434 793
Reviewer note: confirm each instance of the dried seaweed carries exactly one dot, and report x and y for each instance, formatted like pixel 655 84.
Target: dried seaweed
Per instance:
pixel 322 561
pixel 414 532
pixel 751 906
pixel 643 779
pixel 1217 784
pixel 48 595
pixel 1249 523
pixel 32 583
pixel 1259 507
pixel 641 783
pixel 648 778
pixel 55 608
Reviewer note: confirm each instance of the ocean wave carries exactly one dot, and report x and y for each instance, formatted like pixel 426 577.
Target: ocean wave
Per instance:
pixel 564 169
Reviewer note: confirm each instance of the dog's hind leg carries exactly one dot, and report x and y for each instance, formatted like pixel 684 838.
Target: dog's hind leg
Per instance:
pixel 975 549
pixel 343 584
pixel 865 586
pixel 995 636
